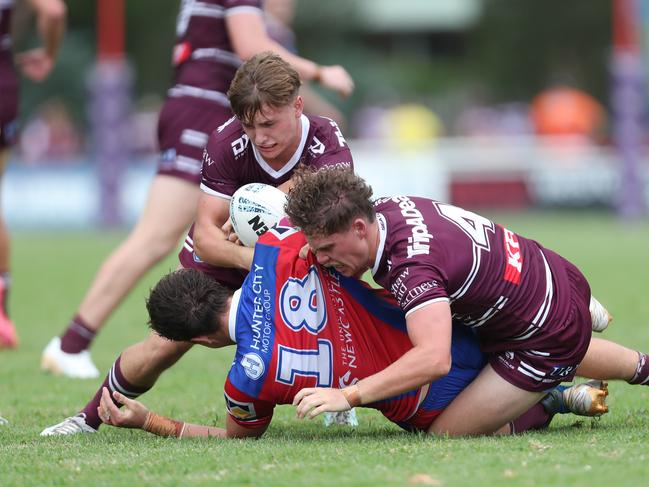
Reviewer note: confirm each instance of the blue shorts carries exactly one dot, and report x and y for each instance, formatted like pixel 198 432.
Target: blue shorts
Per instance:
pixel 467 362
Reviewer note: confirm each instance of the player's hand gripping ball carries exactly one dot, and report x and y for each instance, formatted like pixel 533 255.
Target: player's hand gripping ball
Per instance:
pixel 254 208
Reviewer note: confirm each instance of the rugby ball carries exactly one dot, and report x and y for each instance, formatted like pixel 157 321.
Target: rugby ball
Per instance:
pixel 254 208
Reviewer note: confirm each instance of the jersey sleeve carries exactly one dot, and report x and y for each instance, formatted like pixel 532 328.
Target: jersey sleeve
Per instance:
pixel 283 235
pixel 245 410
pixel 329 148
pixel 415 286
pixel 219 175
pixel 234 6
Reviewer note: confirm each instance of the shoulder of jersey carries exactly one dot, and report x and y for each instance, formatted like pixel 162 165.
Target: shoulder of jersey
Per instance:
pixel 320 125
pixel 229 129
pixel 283 236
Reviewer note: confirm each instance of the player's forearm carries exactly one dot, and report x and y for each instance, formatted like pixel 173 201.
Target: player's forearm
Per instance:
pixel 411 371
pixel 249 37
pixel 212 246
pixel 202 431
pixel 51 24
pixel 162 426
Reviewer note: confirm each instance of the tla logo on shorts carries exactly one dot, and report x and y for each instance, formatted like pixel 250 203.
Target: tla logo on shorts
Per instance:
pixel 252 365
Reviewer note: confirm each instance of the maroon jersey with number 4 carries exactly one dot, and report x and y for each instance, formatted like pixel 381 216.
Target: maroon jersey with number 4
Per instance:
pixel 507 287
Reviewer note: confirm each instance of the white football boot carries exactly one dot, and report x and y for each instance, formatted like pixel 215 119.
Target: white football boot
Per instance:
pixel 343 418
pixel 599 315
pixel 73 425
pixel 73 365
pixel 3 421
pixel 586 399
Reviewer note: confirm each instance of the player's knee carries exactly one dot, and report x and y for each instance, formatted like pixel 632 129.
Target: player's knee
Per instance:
pixel 153 245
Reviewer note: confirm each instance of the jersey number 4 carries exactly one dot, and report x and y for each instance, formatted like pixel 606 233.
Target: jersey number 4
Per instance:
pixel 472 224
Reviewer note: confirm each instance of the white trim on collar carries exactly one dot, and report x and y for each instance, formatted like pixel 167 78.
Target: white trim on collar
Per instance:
pixel 295 158
pixel 383 231
pixel 232 319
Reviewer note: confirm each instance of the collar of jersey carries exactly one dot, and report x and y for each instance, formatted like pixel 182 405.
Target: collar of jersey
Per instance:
pixel 232 319
pixel 383 230
pixel 295 158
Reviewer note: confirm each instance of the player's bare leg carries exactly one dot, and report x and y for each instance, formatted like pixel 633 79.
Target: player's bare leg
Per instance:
pixel 8 336
pixel 170 208
pixel 486 406
pixel 608 360
pixel 134 372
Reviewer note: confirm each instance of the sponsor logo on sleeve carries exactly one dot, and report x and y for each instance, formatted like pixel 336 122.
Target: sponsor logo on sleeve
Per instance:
pixel 252 365
pixel 207 160
pixel 317 147
pixel 243 411
pixel 514 264
pixel 239 145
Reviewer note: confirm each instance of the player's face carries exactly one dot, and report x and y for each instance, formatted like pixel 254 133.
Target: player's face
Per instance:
pixel 276 132
pixel 346 251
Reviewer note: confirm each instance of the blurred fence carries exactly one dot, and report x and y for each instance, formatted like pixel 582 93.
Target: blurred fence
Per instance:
pixel 513 173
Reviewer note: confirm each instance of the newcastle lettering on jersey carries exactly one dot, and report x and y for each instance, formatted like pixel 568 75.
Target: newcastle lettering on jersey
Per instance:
pixel 418 244
pixel 347 351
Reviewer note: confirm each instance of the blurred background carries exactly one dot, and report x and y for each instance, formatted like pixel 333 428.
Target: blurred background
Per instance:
pixel 495 104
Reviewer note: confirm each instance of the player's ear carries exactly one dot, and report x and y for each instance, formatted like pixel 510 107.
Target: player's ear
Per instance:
pixel 205 340
pixel 359 225
pixel 299 106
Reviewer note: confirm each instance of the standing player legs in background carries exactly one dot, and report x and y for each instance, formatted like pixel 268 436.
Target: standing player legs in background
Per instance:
pixel 36 64
pixel 8 336
pixel 169 210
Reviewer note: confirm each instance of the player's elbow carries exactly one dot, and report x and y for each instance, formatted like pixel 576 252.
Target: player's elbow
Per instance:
pixel 56 11
pixel 200 239
pixel 437 365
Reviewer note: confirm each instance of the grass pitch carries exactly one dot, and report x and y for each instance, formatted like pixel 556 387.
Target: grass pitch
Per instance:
pixel 51 273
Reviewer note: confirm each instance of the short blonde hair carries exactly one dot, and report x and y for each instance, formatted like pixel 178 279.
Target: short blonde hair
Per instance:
pixel 264 80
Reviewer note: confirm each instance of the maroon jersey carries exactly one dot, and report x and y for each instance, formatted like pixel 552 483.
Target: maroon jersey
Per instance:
pixel 230 160
pixel 203 57
pixel 8 79
pixel 504 286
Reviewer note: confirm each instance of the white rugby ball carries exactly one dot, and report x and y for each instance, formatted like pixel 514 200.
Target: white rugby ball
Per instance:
pixel 254 208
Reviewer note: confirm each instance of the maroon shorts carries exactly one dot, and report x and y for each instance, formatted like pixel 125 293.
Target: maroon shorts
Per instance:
pixel 184 125
pixel 554 360
pixel 8 110
pixel 232 278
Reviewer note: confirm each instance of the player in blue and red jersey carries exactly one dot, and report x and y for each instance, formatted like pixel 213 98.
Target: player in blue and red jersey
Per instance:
pixel 295 325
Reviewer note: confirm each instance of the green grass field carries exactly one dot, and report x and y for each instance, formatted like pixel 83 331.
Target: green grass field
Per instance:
pixel 51 273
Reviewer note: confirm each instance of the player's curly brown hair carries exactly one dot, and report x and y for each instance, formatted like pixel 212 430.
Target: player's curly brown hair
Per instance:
pixel 265 79
pixel 327 201
pixel 185 304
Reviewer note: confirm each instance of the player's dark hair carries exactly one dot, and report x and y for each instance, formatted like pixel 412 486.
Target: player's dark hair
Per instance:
pixel 185 304
pixel 327 201
pixel 265 79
